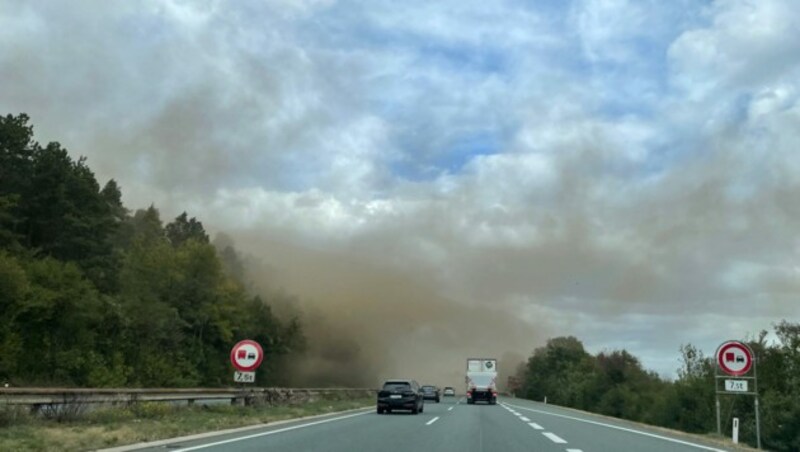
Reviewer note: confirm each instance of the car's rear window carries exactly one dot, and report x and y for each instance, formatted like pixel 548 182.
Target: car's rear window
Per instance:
pixel 396 386
pixel 428 388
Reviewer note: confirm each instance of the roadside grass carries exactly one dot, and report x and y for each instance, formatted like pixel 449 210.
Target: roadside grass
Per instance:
pixel 109 427
pixel 727 442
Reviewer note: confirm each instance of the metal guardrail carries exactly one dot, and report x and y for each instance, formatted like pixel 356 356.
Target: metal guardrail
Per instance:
pixel 35 397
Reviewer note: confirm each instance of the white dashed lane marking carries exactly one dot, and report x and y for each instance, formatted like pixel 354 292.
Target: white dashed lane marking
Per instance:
pixel 554 438
pixel 624 429
pixel 450 409
pixel 432 420
pixel 551 436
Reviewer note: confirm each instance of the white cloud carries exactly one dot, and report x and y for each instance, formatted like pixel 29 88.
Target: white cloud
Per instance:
pixel 619 184
pixel 773 99
pixel 747 44
pixel 607 27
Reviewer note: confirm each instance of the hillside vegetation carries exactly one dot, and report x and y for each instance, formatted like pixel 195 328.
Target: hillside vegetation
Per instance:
pixel 615 384
pixel 94 294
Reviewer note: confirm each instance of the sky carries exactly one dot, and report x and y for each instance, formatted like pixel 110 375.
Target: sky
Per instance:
pixel 472 176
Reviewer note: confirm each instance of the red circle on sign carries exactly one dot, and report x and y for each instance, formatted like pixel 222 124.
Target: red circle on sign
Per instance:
pixel 734 358
pixel 247 355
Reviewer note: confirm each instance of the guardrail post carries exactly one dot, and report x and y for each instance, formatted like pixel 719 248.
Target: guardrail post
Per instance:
pixel 240 398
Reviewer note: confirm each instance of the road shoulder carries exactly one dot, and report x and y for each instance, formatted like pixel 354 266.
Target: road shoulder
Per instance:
pixel 232 431
pixel 625 423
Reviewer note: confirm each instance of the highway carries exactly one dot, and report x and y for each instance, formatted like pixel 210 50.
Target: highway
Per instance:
pixel 452 425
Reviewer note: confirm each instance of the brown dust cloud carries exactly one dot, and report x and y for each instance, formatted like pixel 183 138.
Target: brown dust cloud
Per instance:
pixel 364 322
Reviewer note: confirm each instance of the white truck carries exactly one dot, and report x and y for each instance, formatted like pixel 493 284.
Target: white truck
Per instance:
pixel 481 380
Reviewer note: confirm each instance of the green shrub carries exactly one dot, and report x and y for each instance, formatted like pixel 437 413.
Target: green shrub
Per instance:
pixel 14 415
pixel 152 410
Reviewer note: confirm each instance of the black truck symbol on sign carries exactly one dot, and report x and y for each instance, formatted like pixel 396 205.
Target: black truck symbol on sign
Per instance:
pixel 242 354
pixel 732 358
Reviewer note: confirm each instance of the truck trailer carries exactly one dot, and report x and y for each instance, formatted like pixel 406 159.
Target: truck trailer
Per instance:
pixel 481 380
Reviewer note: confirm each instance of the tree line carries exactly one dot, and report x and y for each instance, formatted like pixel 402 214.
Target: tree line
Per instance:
pixel 614 383
pixel 93 294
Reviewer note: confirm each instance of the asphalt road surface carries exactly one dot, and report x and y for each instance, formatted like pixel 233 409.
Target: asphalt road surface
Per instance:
pixel 452 425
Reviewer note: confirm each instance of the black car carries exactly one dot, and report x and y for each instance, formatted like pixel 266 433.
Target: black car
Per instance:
pixel 400 394
pixel 430 393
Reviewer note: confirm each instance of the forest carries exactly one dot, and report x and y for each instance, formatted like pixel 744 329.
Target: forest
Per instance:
pixel 94 294
pixel 614 383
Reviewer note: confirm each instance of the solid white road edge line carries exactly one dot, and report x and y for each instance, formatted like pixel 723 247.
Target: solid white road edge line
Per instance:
pixel 432 420
pixel 624 429
pixel 554 438
pixel 271 432
pixel 535 425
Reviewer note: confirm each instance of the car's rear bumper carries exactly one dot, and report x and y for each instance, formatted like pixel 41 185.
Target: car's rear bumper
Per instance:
pixel 400 404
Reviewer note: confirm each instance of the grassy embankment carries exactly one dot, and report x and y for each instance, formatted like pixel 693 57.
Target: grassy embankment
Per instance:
pixel 19 431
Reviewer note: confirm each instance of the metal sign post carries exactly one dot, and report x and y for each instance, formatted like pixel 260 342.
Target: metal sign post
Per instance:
pixel 736 360
pixel 246 356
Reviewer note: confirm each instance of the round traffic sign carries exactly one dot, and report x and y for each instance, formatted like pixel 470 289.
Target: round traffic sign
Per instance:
pixel 734 358
pixel 247 355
